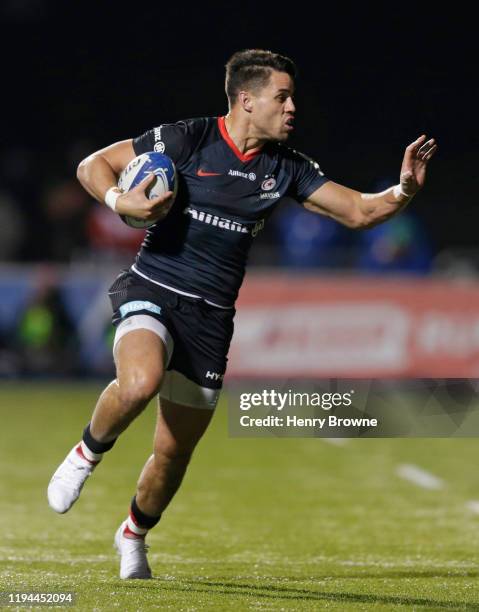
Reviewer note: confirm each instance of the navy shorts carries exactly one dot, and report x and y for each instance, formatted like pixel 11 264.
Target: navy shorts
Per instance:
pixel 200 334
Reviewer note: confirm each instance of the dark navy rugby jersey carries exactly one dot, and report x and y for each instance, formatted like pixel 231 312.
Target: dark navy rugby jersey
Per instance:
pixel 224 198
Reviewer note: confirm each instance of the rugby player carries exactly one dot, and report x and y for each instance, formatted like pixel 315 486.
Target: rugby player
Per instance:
pixel 174 308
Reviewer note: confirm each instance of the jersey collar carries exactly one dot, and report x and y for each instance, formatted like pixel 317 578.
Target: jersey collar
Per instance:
pixel 244 157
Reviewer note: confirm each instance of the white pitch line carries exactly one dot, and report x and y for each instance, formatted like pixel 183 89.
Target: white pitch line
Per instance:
pixel 419 477
pixel 473 505
pixel 336 441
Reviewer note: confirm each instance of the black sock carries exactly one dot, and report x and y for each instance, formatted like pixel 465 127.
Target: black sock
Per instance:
pixel 94 445
pixel 141 519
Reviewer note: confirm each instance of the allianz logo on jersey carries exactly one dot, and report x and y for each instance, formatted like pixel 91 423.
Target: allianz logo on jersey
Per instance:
pixel 247 175
pixel 222 222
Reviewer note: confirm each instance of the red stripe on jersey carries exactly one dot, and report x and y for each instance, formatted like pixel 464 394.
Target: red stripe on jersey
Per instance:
pixel 244 157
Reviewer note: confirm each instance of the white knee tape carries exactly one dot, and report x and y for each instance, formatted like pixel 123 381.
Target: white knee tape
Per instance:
pixel 181 390
pixel 142 321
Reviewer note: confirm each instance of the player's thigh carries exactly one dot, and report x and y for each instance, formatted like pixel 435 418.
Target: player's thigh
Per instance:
pixel 140 358
pixel 179 428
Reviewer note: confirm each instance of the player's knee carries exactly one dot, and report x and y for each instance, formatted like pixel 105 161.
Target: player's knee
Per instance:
pixel 138 388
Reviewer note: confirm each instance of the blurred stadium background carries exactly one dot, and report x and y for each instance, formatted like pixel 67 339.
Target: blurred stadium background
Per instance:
pixel 414 280
pixel 401 300
pixel 414 294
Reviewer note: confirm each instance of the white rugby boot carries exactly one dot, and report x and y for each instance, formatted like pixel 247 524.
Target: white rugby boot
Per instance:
pixel 67 482
pixel 132 551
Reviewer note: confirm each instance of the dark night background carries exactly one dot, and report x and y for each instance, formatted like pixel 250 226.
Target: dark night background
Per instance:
pixel 81 75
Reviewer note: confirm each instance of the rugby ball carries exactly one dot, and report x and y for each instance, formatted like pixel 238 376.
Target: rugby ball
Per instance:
pixel 137 170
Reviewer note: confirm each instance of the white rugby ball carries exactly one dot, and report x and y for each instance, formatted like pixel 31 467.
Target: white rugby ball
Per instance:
pixel 137 170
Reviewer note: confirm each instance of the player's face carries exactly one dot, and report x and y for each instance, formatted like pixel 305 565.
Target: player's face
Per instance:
pixel 273 108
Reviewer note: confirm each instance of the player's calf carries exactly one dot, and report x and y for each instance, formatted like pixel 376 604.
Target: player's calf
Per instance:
pixel 159 481
pixel 161 478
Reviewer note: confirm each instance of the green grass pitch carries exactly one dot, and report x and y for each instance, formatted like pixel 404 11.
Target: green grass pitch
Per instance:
pixel 259 524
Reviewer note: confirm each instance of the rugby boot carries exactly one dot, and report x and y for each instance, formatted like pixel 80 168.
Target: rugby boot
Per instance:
pixel 67 482
pixel 132 551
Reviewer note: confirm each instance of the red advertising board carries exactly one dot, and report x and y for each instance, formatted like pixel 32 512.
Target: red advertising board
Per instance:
pixel 297 326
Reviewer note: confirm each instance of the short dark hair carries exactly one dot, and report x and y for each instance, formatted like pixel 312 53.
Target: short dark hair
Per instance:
pixel 252 68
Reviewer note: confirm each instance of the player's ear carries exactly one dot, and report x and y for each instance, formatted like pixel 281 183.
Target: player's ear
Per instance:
pixel 245 99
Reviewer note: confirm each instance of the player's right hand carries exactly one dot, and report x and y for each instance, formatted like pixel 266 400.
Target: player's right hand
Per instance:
pixel 413 169
pixel 135 203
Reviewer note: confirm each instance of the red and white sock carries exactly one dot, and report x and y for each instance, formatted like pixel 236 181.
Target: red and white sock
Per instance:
pixel 133 530
pixel 86 453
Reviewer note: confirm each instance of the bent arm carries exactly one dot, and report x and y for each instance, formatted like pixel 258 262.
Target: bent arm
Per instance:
pixel 99 171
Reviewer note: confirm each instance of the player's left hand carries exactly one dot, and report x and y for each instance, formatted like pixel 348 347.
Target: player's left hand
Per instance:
pixel 413 169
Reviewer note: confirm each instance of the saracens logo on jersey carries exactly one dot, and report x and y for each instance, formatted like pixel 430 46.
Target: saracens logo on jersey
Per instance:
pixel 268 184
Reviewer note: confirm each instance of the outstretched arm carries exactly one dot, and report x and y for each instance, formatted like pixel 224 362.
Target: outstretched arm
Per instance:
pixel 363 210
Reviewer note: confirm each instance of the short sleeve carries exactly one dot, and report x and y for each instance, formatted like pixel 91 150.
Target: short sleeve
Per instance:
pixel 307 176
pixel 169 138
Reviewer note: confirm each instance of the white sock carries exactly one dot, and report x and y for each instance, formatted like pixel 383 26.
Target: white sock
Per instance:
pixel 90 455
